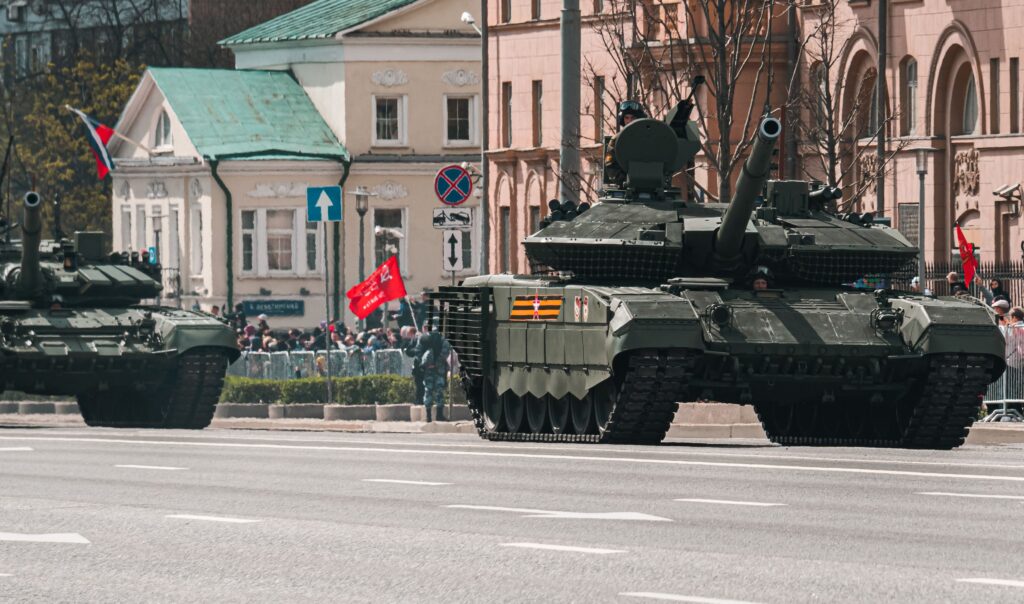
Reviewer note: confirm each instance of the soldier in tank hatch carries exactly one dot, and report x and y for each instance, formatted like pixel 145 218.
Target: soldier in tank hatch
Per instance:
pixel 628 112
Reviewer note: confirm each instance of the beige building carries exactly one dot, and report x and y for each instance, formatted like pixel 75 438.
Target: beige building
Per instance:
pixel 377 99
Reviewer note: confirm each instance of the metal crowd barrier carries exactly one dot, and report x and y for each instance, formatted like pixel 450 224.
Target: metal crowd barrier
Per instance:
pixel 1009 388
pixel 290 365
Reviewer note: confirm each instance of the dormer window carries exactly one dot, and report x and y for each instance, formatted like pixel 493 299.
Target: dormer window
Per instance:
pixel 162 140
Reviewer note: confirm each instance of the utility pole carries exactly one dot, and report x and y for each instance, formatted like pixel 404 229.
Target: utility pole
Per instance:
pixel 880 101
pixel 485 141
pixel 569 155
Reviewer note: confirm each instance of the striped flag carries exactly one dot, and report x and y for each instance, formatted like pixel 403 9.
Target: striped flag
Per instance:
pixel 98 135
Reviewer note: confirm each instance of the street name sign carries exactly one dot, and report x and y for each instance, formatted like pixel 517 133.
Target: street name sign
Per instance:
pixel 453 185
pixel 452 218
pixel 451 251
pixel 323 204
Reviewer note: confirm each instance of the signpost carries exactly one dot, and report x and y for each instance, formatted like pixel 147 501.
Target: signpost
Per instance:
pixel 323 204
pixel 453 185
pixel 452 218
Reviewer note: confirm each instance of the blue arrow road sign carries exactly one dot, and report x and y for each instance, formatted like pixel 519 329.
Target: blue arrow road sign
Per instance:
pixel 323 204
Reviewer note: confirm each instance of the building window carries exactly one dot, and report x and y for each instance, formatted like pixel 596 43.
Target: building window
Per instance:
pixel 140 227
pixel 272 240
pixel 459 120
pixel 389 235
pixel 534 219
pixel 599 100
pixel 538 113
pixel 389 120
pixel 506 114
pixel 505 233
pixel 126 227
pixel 970 117
pixel 196 240
pixel 993 97
pixel 535 9
pixel 173 257
pixel 162 139
pixel 506 11
pixel 598 7
pixel 21 55
pixel 909 97
pixel 248 241
pixel 1014 95
pixel 39 55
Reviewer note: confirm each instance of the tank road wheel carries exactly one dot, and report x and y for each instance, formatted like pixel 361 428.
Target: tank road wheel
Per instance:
pixel 582 412
pixel 493 409
pixel 603 395
pixel 558 411
pixel 515 411
pixel 537 414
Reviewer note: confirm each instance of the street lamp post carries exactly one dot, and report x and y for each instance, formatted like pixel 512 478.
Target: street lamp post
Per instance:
pixel 362 206
pixel 922 171
pixel 485 132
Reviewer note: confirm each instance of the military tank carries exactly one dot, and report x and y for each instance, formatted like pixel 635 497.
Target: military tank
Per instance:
pixel 646 300
pixel 72 323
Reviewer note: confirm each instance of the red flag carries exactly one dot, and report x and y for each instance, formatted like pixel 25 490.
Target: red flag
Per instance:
pixel 384 285
pixel 966 256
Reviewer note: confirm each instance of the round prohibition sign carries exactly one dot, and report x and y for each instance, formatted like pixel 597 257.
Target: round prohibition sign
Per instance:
pixel 453 185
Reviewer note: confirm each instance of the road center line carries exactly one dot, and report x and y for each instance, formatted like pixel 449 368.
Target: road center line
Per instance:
pixel 416 482
pixel 652 595
pixel 6 575
pixel 972 495
pixel 727 502
pixel 134 467
pixel 556 458
pixel 532 513
pixel 11 449
pixel 44 538
pixel 565 548
pixel 213 518
pixel 1000 582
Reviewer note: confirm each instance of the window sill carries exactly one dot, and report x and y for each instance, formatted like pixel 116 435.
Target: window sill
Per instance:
pixel 460 144
pixel 389 145
pixel 277 275
pixel 163 150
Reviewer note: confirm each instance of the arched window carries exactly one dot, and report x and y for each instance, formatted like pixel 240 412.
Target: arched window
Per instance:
pixel 908 121
pixel 970 118
pixel 162 136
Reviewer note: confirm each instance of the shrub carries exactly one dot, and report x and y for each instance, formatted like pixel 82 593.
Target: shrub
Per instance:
pixel 362 390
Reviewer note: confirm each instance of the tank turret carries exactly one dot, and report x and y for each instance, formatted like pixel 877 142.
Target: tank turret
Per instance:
pixel 31 231
pixel 748 186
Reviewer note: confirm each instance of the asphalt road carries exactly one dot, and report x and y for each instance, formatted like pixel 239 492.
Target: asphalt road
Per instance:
pixel 90 515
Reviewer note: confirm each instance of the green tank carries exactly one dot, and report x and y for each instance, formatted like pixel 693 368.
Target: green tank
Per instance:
pixel 72 323
pixel 645 300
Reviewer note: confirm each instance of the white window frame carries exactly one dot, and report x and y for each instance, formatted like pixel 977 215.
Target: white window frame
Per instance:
pixel 163 142
pixel 196 239
pixel 261 264
pixel 403 243
pixel 473 140
pixel 264 232
pixel 403 121
pixel 126 226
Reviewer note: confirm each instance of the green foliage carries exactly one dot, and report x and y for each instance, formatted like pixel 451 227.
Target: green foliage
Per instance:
pixel 363 390
pixel 53 152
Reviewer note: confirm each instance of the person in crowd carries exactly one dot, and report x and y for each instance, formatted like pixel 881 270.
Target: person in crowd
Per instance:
pixel 404 316
pixel 238 319
pixel 215 311
pixel 994 291
pixel 956 284
pixel 411 344
pixel 262 322
pixel 433 351
pixel 421 309
pixel 1001 308
pixel 915 285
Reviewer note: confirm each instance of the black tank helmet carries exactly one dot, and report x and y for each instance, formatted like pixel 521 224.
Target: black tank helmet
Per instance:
pixel 630 107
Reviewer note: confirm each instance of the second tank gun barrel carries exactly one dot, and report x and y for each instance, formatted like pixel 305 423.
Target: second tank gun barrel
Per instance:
pixel 31 233
pixel 753 175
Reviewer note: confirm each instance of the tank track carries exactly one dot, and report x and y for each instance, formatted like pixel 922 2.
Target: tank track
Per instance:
pixel 947 403
pixel 186 400
pixel 645 403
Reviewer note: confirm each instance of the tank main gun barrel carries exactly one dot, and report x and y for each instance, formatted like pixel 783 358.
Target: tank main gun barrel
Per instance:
pixel 31 231
pixel 748 186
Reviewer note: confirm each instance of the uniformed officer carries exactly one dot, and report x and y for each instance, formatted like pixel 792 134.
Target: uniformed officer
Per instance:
pixel 433 351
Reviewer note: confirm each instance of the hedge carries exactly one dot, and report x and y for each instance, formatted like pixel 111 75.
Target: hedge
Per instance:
pixel 362 390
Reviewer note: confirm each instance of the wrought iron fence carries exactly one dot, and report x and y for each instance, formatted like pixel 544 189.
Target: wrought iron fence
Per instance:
pixel 291 365
pixel 1010 273
pixel 1005 396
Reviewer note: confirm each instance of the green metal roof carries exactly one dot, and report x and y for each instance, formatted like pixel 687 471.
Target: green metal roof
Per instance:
pixel 317 20
pixel 243 113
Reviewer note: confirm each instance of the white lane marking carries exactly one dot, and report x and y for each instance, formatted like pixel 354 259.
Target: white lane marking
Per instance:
pixel 213 518
pixel 45 538
pixel 972 495
pixel 557 458
pixel 727 502
pixel 11 449
pixel 135 467
pixel 668 451
pixel 1000 582
pixel 531 513
pixel 416 482
pixel 565 548
pixel 652 595
pixel 6 575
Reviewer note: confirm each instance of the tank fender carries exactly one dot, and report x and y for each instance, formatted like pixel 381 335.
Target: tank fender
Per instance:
pixel 652 320
pixel 184 330
pixel 933 326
